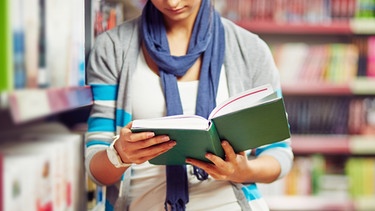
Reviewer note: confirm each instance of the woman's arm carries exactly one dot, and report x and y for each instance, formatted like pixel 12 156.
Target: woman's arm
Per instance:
pixel 238 168
pixel 132 148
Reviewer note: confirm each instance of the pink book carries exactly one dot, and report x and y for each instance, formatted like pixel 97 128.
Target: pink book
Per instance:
pixel 371 57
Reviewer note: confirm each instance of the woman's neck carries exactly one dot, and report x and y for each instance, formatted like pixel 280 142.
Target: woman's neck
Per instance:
pixel 178 35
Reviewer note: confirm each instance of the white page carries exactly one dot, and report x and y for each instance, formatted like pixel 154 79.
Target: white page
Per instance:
pixel 242 100
pixel 177 121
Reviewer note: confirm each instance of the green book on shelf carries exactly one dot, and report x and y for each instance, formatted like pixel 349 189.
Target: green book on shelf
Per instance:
pixel 6 79
pixel 248 120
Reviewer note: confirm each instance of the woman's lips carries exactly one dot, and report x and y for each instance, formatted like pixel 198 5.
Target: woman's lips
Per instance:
pixel 176 11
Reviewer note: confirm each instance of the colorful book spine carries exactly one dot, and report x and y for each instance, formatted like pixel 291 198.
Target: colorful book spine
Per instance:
pixel 18 34
pixel 31 21
pixel 297 11
pixel 42 73
pixel 6 75
pixel 365 9
pixel 371 57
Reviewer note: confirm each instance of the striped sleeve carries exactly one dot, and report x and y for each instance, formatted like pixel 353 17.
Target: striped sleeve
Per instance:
pixel 282 152
pixel 101 123
pixel 102 72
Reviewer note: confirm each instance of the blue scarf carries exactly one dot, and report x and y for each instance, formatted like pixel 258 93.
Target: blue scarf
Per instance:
pixel 207 41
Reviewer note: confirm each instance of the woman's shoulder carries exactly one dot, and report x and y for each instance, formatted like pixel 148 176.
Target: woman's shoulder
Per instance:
pixel 232 29
pixel 238 38
pixel 124 29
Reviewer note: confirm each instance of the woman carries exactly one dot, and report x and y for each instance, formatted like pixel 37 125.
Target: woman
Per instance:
pixel 178 57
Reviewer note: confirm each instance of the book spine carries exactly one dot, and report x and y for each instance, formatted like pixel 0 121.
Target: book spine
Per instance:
pixel 215 141
pixel 2 182
pixel 371 57
pixel 18 35
pixel 42 72
pixel 77 57
pixel 6 73
pixel 31 19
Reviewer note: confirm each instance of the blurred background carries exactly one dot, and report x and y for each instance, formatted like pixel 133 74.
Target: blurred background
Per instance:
pixel 324 49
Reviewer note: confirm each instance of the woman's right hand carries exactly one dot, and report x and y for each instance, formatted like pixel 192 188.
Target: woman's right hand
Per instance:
pixel 140 147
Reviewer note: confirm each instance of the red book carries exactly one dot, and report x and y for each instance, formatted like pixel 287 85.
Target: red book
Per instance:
pixel 1 182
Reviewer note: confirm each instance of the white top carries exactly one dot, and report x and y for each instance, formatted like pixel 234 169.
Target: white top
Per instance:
pixel 148 181
pixel 148 89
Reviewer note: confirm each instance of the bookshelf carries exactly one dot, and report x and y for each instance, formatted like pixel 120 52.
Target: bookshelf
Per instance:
pixel 343 28
pixel 43 69
pixel 331 116
pixel 43 97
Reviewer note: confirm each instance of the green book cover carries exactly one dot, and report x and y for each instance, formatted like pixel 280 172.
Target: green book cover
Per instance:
pixel 251 119
pixel 192 143
pixel 253 127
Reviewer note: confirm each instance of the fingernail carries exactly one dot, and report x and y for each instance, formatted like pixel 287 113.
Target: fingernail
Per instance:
pixel 150 134
pixel 165 138
pixel 172 143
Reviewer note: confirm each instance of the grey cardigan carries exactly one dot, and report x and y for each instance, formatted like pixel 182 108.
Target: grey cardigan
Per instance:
pixel 248 63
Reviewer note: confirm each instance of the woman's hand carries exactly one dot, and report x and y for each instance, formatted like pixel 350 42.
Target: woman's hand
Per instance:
pixel 234 168
pixel 141 147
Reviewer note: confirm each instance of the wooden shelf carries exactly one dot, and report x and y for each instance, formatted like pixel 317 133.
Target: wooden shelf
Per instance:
pixel 316 89
pixel 326 144
pixel 311 203
pixel 362 144
pixel 359 86
pixel 363 85
pixel 334 144
pixel 30 104
pixel 268 27
pixel 361 26
pixel 319 203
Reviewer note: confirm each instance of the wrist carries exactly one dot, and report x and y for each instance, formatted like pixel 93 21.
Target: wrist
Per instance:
pixel 114 156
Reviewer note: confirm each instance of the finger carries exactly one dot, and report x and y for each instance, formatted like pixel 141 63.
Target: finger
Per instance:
pixel 149 153
pixel 198 163
pixel 230 155
pixel 129 125
pixel 218 161
pixel 154 141
pixel 137 154
pixel 146 136
pixel 209 168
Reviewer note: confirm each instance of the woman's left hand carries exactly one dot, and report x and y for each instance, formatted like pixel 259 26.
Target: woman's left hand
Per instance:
pixel 234 168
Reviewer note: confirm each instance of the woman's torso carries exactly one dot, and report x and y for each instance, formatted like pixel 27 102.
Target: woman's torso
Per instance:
pixel 148 182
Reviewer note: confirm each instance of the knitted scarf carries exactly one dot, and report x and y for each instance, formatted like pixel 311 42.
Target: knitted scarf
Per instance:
pixel 207 41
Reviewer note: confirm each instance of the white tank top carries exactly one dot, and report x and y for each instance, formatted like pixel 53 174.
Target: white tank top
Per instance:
pixel 147 91
pixel 148 187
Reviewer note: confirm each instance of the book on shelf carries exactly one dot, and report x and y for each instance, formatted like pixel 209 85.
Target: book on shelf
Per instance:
pixel 360 172
pixel 31 11
pixel 53 164
pixel 64 25
pixel 371 57
pixel 335 63
pixel 247 120
pixel 18 43
pixel 6 79
pixel 20 193
pixel 32 28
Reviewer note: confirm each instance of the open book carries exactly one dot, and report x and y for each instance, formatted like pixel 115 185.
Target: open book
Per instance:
pixel 247 120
